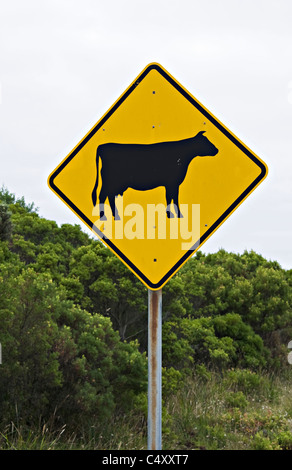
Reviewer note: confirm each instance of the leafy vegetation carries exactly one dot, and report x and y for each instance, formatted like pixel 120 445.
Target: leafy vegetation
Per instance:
pixel 73 330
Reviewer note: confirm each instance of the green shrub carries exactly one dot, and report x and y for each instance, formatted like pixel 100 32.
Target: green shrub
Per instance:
pixel 249 382
pixel 236 400
pixel 285 439
pixel 59 359
pixel 261 442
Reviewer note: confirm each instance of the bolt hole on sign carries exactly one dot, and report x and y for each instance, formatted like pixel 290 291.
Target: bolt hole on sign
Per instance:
pixel 156 176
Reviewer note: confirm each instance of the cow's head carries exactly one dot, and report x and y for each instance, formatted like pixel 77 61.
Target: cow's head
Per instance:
pixel 204 148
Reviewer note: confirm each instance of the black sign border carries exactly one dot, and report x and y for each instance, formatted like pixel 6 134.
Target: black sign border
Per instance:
pixel 210 230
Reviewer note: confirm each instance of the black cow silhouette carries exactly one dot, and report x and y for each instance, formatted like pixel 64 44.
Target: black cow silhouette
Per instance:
pixel 147 166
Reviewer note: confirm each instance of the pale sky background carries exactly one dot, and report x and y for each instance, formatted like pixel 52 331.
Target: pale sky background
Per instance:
pixel 63 64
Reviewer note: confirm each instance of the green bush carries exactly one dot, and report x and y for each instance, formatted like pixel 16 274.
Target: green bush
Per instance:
pixel 58 359
pixel 220 342
pixel 236 400
pixel 250 382
pixel 73 329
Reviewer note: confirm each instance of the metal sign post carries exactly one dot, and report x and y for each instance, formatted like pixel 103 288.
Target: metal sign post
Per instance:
pixel 154 368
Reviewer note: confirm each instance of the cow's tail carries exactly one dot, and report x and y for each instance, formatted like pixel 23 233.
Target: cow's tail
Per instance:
pixel 94 192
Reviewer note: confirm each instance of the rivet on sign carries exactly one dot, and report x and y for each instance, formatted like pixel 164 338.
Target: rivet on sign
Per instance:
pixel 155 260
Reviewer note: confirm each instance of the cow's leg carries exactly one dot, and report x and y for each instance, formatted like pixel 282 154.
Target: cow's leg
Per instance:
pixel 176 205
pixel 168 202
pixel 113 207
pixel 102 198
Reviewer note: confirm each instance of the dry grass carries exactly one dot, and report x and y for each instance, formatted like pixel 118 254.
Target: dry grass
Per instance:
pixel 236 411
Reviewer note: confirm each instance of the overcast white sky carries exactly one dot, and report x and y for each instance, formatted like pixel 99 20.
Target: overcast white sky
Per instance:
pixel 63 64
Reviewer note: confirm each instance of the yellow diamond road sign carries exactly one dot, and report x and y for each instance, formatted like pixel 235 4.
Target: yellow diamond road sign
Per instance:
pixel 156 176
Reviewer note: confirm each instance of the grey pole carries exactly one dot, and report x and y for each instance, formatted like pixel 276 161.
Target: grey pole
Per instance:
pixel 154 368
